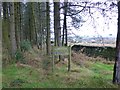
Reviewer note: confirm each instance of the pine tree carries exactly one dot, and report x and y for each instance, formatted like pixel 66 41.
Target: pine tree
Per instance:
pixel 57 28
pixel 12 30
pixel 48 44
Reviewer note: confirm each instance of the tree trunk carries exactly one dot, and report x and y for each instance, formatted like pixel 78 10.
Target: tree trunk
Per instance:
pixel 33 27
pixel 36 20
pixel 116 74
pixel 42 23
pixel 65 24
pixel 57 28
pixel 5 27
pixel 48 44
pixel 22 35
pixel 0 9
pixel 12 29
pixel 0 25
pixel 63 36
pixel 17 23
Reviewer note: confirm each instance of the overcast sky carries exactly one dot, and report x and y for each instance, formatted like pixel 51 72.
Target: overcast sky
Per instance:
pixel 97 26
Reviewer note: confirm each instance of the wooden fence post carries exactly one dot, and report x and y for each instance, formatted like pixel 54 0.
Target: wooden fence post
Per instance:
pixel 69 58
pixel 52 59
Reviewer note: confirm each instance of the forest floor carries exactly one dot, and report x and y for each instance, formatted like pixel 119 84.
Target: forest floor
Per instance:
pixel 86 72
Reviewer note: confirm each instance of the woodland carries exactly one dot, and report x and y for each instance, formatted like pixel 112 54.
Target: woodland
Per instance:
pixel 31 58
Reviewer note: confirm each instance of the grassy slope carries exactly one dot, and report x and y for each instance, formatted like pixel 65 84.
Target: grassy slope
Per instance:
pixel 90 75
pixel 97 75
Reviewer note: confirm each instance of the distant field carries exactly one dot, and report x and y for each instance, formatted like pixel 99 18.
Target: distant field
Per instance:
pixel 93 44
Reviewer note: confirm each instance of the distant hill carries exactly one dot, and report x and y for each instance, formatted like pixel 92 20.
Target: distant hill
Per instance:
pixel 93 40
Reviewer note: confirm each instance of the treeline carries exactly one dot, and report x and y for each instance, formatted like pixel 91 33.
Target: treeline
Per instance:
pixel 30 22
pixel 25 22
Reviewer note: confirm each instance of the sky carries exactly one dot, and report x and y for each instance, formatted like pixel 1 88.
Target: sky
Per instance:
pixel 99 26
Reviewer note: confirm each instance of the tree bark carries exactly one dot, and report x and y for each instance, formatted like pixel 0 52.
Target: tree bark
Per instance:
pixel 0 9
pixel 17 23
pixel 12 29
pixel 5 26
pixel 34 22
pixel 116 74
pixel 57 28
pixel 48 44
pixel 21 13
pixel 65 20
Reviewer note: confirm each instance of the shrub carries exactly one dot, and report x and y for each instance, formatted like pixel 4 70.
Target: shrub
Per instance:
pixel 17 82
pixel 19 56
pixel 46 63
pixel 25 45
pixel 6 58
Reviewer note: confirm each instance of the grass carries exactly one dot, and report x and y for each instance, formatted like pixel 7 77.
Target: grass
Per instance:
pixel 88 74
pixel 97 75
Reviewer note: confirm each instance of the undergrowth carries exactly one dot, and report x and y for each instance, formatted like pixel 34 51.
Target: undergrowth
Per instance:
pixel 86 72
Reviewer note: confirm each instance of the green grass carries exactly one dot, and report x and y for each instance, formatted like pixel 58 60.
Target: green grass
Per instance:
pixel 96 75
